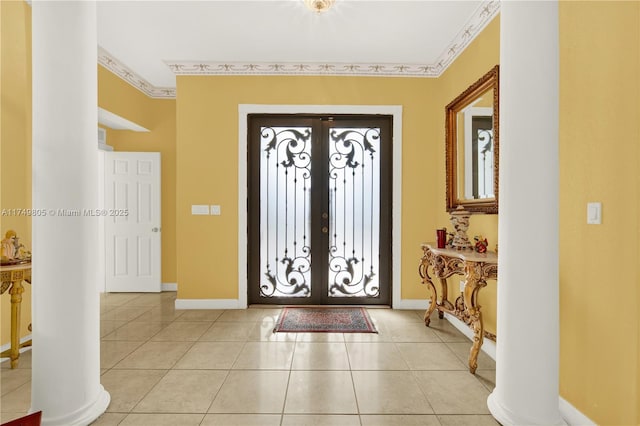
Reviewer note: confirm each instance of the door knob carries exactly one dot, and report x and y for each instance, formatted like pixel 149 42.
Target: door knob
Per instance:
pixel 155 229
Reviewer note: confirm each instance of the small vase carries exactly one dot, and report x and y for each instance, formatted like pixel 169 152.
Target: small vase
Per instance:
pixel 460 221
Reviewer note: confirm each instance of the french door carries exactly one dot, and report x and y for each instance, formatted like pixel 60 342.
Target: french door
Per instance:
pixel 319 209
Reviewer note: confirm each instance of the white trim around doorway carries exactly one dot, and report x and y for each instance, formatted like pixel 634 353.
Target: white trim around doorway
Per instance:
pixel 394 110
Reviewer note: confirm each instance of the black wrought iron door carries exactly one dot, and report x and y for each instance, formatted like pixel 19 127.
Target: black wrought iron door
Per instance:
pixel 319 209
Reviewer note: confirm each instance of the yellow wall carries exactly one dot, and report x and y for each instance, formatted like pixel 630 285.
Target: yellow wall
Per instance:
pixel 599 157
pixel 15 139
pixel 599 161
pixel 159 116
pixel 477 59
pixel 119 97
pixel 207 133
pixel 207 148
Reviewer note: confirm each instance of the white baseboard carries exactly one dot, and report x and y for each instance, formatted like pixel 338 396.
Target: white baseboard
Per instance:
pixel 169 286
pixel 8 346
pixel 569 413
pixel 409 304
pixel 412 304
pixel 488 346
pixel 208 304
pixel 572 415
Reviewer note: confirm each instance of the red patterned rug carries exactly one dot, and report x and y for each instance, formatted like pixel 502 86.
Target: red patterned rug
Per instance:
pixel 324 320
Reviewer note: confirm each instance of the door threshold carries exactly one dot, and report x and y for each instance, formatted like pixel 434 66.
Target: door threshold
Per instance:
pixel 267 306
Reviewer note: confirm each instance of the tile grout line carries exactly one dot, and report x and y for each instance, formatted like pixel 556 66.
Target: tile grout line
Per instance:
pixel 256 336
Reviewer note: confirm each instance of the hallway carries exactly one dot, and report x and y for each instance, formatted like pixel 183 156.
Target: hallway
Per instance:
pixel 164 366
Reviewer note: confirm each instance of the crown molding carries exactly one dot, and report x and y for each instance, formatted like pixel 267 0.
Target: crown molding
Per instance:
pixel 301 68
pixel 484 14
pixel 118 68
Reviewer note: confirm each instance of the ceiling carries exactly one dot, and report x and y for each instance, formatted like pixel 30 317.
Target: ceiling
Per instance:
pixel 148 43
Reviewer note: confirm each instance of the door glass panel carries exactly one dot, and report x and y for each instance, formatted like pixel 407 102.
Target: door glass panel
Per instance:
pixel 285 198
pixel 354 206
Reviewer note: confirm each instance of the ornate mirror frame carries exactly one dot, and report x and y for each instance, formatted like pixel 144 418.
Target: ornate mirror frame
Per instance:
pixel 490 81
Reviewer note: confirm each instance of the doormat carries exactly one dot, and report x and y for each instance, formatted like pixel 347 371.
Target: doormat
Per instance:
pixel 324 320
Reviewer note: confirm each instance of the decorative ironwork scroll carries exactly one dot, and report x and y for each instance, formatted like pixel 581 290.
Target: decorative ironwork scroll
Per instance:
pixel 285 194
pixel 483 165
pixel 354 206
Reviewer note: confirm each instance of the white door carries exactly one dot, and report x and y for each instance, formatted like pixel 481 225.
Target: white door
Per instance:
pixel 132 221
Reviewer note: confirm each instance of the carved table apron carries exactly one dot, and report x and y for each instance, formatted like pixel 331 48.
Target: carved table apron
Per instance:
pixel 12 277
pixel 476 269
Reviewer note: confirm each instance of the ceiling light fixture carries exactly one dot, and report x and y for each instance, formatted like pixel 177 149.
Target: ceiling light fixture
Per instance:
pixel 319 6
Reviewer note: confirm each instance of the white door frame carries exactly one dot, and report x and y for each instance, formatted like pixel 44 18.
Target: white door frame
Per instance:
pixel 394 110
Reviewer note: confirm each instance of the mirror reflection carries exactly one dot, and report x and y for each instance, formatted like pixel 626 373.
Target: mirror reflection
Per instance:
pixel 475 148
pixel 472 147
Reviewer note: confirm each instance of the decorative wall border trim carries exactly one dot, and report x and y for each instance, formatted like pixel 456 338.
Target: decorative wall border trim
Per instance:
pixel 118 68
pixel 302 68
pixel 485 13
pixel 487 10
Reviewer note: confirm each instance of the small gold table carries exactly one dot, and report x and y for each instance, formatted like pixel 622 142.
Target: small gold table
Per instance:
pixel 12 277
pixel 476 269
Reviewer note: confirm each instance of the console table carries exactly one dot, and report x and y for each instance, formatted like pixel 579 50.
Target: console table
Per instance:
pixel 12 276
pixel 476 269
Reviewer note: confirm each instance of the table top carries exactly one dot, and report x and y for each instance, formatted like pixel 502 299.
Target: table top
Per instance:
pixel 467 255
pixel 14 266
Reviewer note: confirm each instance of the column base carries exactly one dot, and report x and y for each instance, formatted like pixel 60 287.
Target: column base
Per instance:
pixel 83 416
pixel 506 417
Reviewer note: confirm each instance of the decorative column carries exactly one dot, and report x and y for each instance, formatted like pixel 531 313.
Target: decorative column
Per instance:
pixel 527 349
pixel 66 305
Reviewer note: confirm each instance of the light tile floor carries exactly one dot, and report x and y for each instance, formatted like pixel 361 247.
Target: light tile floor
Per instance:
pixel 164 366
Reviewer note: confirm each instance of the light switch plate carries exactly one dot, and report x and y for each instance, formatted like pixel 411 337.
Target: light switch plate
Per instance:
pixel 199 209
pixel 594 213
pixel 215 210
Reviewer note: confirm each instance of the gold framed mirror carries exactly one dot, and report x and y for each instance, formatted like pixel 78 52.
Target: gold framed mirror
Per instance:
pixel 472 146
